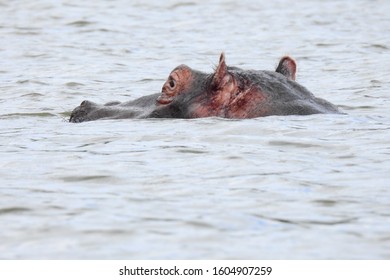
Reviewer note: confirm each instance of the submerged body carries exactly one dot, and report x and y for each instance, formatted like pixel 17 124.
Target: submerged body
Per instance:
pixel 229 92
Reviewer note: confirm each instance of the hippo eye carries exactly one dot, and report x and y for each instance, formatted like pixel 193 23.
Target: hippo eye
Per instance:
pixel 172 84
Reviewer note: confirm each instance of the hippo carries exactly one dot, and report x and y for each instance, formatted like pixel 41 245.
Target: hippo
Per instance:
pixel 229 92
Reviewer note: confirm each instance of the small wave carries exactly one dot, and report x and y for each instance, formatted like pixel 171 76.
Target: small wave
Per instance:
pixel 307 222
pixel 73 84
pixel 33 94
pixel 379 46
pixel 12 210
pixel 91 178
pixel 23 115
pixel 293 144
pixel 185 4
pixel 191 151
pixel 32 82
pixel 80 23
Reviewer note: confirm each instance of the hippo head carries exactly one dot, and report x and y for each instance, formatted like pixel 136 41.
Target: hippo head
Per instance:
pixel 228 92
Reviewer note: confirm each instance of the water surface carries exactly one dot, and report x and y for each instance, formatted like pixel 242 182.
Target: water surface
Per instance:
pixel 295 187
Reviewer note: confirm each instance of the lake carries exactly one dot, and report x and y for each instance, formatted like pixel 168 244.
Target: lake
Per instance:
pixel 279 187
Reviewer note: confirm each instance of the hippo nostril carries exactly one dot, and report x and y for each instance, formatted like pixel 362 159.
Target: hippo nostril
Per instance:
pixel 84 103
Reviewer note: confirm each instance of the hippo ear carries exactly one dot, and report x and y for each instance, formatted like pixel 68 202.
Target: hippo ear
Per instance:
pixel 219 78
pixel 287 67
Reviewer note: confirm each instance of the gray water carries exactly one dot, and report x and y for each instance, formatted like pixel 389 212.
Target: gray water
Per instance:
pixel 282 187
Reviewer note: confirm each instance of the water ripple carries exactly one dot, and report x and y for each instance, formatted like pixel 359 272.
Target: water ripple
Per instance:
pixel 302 222
pixel 14 210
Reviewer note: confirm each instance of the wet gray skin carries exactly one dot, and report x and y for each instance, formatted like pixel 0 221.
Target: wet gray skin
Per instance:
pixel 138 108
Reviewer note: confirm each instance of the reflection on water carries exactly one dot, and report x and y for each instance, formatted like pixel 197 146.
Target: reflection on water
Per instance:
pixel 297 187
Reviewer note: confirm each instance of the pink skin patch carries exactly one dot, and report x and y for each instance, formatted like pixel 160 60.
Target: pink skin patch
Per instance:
pixel 287 67
pixel 178 81
pixel 240 105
